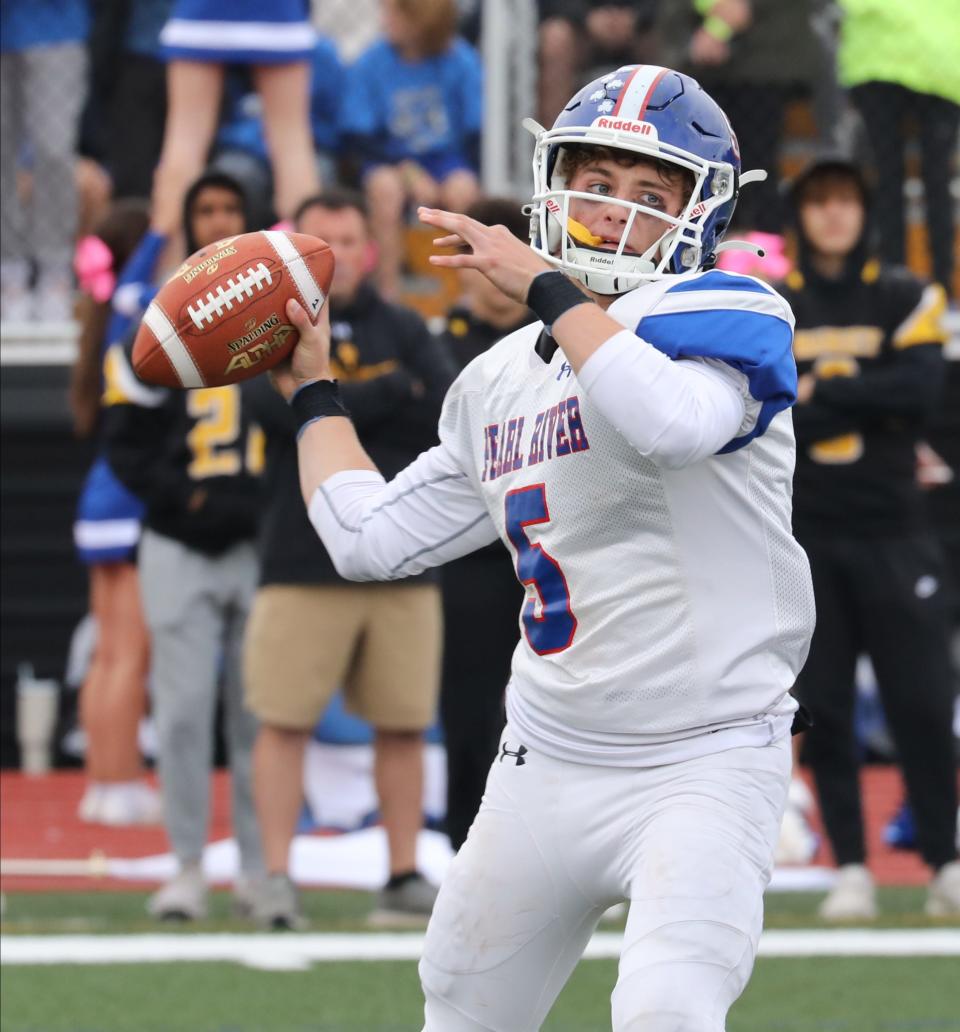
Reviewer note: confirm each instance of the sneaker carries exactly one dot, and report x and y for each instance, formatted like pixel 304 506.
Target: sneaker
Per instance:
pixel 853 896
pixel 124 805
pixel 943 897
pixel 183 898
pixel 276 904
pixel 407 905
pixel 54 296
pixel 16 298
pixel 614 914
pixel 797 843
pixel 89 809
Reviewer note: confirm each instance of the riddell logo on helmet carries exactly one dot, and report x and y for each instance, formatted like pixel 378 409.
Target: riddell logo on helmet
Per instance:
pixel 626 125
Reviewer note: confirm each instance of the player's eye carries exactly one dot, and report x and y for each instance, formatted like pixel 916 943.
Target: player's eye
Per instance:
pixel 651 200
pixel 601 188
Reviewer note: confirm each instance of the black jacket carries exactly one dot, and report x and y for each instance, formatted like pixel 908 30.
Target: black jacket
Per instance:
pixel 393 377
pixel 874 339
pixel 192 457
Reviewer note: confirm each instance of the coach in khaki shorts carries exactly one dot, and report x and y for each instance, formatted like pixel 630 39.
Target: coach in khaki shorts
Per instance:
pixel 310 632
pixel 380 642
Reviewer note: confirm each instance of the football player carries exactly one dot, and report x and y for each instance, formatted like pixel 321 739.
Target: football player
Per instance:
pixel 634 449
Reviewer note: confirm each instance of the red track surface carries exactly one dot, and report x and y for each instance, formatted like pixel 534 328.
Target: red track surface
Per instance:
pixel 38 821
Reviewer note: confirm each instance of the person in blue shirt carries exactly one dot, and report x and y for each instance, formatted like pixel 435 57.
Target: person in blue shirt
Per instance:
pixel 412 114
pixel 43 60
pixel 241 149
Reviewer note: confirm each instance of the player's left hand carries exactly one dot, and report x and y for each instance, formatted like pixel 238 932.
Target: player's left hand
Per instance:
pixel 310 359
pixel 493 250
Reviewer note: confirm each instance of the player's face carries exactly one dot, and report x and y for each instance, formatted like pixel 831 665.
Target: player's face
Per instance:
pixel 216 213
pixel 640 183
pixel 832 222
pixel 346 233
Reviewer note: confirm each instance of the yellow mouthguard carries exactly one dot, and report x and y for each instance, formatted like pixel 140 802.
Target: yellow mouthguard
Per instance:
pixel 581 234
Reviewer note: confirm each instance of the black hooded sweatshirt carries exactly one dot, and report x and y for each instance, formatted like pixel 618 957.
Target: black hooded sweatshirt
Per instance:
pixel 873 337
pixel 191 456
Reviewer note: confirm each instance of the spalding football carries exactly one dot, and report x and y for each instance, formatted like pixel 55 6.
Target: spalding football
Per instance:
pixel 221 317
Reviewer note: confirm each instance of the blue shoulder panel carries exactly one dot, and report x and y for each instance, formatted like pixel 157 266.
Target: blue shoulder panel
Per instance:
pixel 718 280
pixel 757 343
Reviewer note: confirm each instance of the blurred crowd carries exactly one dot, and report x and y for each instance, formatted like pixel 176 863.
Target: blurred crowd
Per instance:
pixel 136 131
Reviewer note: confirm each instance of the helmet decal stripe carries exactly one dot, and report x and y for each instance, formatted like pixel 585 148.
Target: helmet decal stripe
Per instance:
pixel 637 91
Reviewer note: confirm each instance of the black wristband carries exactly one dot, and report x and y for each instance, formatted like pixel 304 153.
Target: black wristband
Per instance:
pixel 551 294
pixel 317 400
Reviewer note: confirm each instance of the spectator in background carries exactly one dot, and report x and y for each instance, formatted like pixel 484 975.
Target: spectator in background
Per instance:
pixel 310 631
pixel 192 456
pixel 481 596
pixel 43 63
pixel 201 37
pixel 114 692
pixel 578 36
pixel 241 147
pixel 868 346
pixel 752 56
pixel 412 115
pixel 899 58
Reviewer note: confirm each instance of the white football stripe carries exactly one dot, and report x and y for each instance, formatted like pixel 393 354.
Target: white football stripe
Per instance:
pixel 310 293
pixel 631 100
pixel 168 338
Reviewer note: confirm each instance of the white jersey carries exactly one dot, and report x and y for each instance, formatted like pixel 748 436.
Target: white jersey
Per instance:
pixel 662 604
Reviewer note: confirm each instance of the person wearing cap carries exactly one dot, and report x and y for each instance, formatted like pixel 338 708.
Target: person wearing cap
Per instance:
pixel 868 347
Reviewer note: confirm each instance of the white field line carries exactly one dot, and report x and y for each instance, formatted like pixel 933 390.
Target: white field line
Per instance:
pixel 298 952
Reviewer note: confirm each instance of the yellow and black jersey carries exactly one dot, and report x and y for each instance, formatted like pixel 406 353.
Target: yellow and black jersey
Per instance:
pixel 192 456
pixel 873 340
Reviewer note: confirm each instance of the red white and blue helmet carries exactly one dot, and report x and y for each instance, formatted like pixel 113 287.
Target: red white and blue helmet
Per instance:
pixel 659 113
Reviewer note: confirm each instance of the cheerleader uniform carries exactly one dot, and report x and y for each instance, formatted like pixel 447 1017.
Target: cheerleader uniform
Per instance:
pixel 109 517
pixel 239 32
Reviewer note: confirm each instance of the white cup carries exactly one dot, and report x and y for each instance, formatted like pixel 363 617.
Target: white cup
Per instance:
pixel 37 705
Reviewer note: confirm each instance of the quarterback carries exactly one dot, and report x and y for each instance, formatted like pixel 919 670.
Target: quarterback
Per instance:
pixel 634 449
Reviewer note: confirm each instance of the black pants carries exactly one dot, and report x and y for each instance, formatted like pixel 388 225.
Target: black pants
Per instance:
pixel 481 603
pixel 756 115
pixel 884 108
pixel 137 120
pixel 886 598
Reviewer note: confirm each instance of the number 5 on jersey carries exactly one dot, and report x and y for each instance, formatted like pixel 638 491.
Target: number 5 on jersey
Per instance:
pixel 551 625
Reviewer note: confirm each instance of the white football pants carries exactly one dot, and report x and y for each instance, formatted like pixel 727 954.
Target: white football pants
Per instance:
pixel 555 843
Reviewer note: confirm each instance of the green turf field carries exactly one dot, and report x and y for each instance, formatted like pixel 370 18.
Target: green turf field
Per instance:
pixel 823 994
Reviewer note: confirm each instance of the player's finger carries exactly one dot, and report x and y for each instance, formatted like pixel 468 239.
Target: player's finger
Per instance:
pixel 297 315
pixel 455 261
pixel 462 225
pixel 448 241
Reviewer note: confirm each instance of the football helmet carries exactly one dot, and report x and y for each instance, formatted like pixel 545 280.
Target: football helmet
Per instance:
pixel 661 114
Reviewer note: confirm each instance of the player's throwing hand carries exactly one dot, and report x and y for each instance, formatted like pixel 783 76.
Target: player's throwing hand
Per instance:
pixel 506 261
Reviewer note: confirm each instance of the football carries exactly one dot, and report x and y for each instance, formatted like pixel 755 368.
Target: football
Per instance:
pixel 221 317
